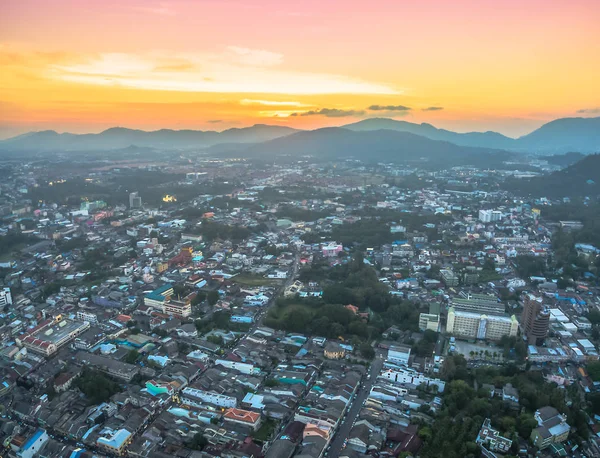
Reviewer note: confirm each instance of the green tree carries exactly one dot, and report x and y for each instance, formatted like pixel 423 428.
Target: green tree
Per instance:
pixel 132 356
pixel 212 297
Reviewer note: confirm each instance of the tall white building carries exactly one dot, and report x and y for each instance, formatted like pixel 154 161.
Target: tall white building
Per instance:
pixel 5 297
pixel 489 216
pixel 135 201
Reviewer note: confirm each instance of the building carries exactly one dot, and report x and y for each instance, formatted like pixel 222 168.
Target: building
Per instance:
pixel 334 350
pixel 181 309
pixel 5 297
pixel 552 427
pixel 449 277
pixel 489 216
pixel 52 334
pixel 429 321
pixel 243 417
pixel 480 326
pixel 91 318
pixel 115 441
pixel 331 250
pixel 195 397
pixel 112 367
pixel 510 394
pixel 135 201
pixel 159 296
pixel 407 376
pixel 399 354
pixel 535 319
pixel 33 446
pixel 478 303
pixel 491 439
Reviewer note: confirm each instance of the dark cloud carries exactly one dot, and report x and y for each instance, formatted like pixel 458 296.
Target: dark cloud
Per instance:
pixel 433 108
pixel 389 108
pixel 215 121
pixel 331 113
pixel 589 110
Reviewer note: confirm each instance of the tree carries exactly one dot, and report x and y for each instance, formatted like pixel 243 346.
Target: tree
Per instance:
pixel 212 297
pixel 132 356
pixel 198 442
pixel 367 351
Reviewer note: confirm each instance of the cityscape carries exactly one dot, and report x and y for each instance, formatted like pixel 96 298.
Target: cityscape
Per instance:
pixel 257 229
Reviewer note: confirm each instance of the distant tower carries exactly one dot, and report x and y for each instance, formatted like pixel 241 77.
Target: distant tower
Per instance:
pixel 135 201
pixel 535 320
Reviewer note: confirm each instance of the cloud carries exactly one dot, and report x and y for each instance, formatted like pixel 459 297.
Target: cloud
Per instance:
pixel 433 109
pixel 214 121
pixel 160 8
pixel 389 108
pixel 272 103
pixel 256 57
pixel 330 113
pixel 589 110
pixel 235 70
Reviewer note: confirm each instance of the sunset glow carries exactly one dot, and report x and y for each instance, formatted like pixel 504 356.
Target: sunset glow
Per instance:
pixel 83 66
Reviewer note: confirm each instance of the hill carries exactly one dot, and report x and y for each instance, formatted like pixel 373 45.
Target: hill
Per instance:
pixel 564 135
pixel 480 139
pixel 119 137
pixel 556 137
pixel 578 180
pixel 376 146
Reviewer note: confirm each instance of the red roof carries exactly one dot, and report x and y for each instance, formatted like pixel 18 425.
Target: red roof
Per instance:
pixel 242 415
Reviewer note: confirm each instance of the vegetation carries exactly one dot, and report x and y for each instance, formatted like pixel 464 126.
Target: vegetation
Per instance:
pixel 96 386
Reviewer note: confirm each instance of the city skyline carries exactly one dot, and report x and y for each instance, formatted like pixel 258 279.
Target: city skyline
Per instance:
pixel 464 66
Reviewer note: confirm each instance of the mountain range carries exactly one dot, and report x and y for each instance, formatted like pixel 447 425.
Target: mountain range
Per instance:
pixel 577 180
pixel 357 140
pixel 120 137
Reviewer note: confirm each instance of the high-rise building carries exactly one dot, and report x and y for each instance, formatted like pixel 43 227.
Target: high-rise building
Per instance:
pixel 5 297
pixel 489 216
pixel 135 201
pixel 471 325
pixel 535 319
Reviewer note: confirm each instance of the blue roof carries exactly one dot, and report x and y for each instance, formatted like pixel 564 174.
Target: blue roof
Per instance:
pixel 34 438
pixel 117 440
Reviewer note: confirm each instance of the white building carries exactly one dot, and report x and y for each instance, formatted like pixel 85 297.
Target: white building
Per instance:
pixel 244 368
pixel 406 376
pixel 489 216
pixel 5 297
pixel 398 354
pixel 91 318
pixel 194 397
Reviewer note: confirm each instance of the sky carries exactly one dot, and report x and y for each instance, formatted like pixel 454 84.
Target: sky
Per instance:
pixel 466 65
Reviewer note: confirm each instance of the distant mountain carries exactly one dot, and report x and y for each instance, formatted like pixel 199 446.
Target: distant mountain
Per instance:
pixel 578 180
pixel 482 139
pixel 556 137
pixel 376 146
pixel 563 160
pixel 119 137
pixel 564 135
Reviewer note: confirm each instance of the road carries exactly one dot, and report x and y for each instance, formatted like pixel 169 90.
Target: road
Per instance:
pixel 278 292
pixel 362 393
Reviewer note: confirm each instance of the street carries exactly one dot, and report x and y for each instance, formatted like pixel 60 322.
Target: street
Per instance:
pixel 362 393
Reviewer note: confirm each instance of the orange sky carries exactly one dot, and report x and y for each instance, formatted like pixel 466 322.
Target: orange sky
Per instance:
pixel 86 65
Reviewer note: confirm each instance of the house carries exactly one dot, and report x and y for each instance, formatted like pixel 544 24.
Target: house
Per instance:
pixel 491 439
pixel 64 381
pixel 243 417
pixel 510 394
pixel 399 354
pixel 358 439
pixel 333 350
pixel 552 427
